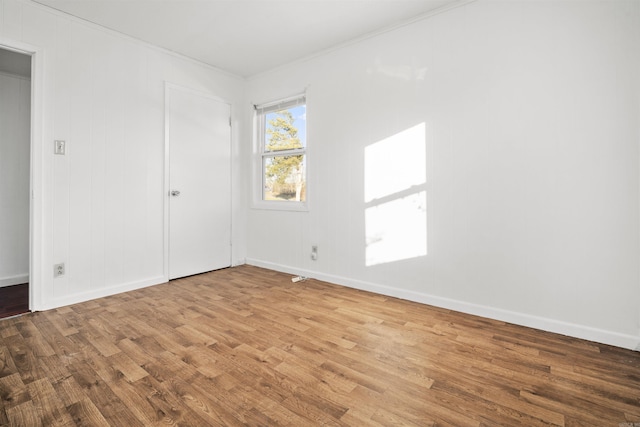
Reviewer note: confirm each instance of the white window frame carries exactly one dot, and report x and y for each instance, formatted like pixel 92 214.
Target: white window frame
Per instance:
pixel 260 112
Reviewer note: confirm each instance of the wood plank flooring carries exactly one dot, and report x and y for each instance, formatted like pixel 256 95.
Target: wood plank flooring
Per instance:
pixel 246 346
pixel 14 300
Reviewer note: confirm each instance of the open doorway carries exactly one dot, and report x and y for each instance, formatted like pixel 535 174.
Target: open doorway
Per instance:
pixel 15 176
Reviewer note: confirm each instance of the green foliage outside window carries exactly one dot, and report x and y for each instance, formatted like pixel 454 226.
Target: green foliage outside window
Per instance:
pixel 284 174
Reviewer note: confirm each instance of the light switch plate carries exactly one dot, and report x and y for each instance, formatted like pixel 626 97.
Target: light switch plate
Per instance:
pixel 59 147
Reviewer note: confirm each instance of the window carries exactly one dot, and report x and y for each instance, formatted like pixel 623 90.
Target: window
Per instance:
pixel 282 137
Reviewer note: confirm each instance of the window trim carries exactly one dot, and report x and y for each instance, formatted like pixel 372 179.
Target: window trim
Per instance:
pixel 260 112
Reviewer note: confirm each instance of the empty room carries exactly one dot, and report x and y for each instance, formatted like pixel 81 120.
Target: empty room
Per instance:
pixel 410 213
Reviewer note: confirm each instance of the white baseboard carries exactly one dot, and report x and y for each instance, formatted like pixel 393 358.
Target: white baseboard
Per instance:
pixel 100 293
pixel 14 280
pixel 630 342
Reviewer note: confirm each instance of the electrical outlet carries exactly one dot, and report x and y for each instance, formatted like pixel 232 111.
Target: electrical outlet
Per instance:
pixel 314 252
pixel 58 270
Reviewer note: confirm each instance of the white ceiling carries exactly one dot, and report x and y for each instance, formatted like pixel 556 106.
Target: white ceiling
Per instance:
pixel 247 37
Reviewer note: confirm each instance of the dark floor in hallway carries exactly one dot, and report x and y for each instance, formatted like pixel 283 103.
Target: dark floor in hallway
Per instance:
pixel 14 300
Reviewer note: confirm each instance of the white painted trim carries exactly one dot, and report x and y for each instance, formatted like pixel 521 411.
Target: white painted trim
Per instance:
pixel 167 183
pixel 14 280
pixel 274 205
pixel 101 293
pixel 550 325
pixel 36 218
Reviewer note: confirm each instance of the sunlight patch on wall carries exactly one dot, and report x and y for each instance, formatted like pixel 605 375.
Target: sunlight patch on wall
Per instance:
pixel 397 230
pixel 394 164
pixel 396 198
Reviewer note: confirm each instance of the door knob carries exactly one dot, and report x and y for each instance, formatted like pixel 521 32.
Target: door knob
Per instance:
pixel 175 193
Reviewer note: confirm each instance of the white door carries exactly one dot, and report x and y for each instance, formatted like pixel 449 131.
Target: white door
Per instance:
pixel 199 138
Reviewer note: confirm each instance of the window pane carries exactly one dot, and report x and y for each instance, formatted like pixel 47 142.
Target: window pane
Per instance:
pixel 286 129
pixel 284 178
pixel 283 140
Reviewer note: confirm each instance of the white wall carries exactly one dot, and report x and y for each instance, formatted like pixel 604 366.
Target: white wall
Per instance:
pixel 102 203
pixel 528 119
pixel 15 97
pixel 528 132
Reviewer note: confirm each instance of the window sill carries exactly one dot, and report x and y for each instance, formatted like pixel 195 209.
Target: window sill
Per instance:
pixel 281 206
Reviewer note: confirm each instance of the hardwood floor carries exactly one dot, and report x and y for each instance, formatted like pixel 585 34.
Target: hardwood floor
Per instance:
pixel 14 300
pixel 245 346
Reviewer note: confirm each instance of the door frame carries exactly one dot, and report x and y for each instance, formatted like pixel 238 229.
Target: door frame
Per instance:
pixel 36 166
pixel 167 168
